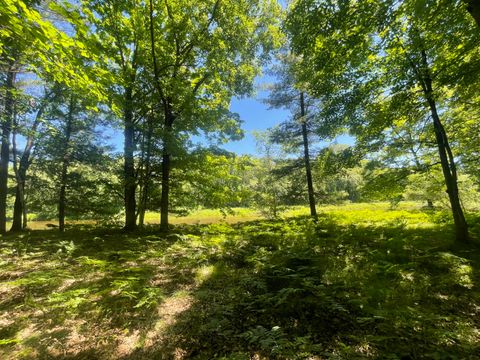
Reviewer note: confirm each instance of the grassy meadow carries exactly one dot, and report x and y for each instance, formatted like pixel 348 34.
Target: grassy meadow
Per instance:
pixel 364 282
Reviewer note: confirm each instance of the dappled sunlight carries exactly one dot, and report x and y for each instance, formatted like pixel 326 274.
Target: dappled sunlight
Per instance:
pixel 268 288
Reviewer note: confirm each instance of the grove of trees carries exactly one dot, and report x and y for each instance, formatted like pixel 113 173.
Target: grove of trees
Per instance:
pixel 401 77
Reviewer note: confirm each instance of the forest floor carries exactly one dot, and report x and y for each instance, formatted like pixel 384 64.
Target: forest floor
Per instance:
pixel 362 282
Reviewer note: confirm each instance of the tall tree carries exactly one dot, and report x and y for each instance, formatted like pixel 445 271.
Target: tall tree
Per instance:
pixel 21 165
pixel 26 37
pixel 7 122
pixel 203 54
pixel 297 131
pixel 70 140
pixel 119 34
pixel 387 55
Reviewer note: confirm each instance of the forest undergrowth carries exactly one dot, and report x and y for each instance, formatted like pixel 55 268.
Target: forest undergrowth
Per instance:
pixel 362 282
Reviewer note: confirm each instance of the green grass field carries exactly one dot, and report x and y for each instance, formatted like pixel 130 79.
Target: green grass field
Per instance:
pixel 365 282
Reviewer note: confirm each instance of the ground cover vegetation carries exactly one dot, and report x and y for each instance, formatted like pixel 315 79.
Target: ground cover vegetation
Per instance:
pixel 363 281
pixel 161 245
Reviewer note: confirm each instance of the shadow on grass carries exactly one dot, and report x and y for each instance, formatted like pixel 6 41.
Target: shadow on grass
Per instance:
pixel 298 290
pixel 80 292
pixel 264 289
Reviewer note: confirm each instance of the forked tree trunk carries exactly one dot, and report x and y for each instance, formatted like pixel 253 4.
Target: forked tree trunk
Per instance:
pixel 129 164
pixel 308 169
pixel 5 147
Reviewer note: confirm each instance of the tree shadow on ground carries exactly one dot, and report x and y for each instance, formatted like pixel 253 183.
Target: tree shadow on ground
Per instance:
pixel 298 290
pixel 81 292
pixel 265 289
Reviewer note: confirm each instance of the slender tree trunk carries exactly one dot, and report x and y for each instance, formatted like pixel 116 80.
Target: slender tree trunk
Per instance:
pixel 308 169
pixel 450 175
pixel 447 161
pixel 19 209
pixel 25 212
pixel 166 165
pixel 18 206
pixel 141 183
pixel 62 195
pixel 146 178
pixel 473 7
pixel 65 163
pixel 169 119
pixel 129 164
pixel 5 147
pixel 164 202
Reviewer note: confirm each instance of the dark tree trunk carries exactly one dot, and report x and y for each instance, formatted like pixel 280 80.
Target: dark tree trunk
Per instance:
pixel 17 224
pixel 169 119
pixel 450 175
pixel 5 148
pixel 165 192
pixel 129 164
pixel 17 220
pixel 308 169
pixel 65 163
pixel 166 165
pixel 19 209
pixel 446 157
pixel 25 212
pixel 473 7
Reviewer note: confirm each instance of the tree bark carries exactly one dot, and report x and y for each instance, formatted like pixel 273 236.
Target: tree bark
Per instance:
pixel 17 224
pixel 308 169
pixel 169 119
pixel 129 164
pixel 5 147
pixel 473 7
pixel 446 158
pixel 65 163
pixel 164 202
pixel 166 165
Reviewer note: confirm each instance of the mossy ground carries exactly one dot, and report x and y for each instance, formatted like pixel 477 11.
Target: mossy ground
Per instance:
pixel 363 282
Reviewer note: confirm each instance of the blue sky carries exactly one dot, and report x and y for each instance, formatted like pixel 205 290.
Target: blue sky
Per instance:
pixel 256 116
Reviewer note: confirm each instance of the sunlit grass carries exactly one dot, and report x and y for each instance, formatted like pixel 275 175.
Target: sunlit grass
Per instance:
pixel 366 281
pixel 351 212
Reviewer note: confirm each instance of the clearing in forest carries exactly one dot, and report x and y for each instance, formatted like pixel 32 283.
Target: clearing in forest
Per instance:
pixel 363 282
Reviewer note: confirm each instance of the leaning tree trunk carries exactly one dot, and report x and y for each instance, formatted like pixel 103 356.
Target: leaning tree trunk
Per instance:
pixel 308 169
pixel 64 172
pixel 446 157
pixel 129 164
pixel 5 147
